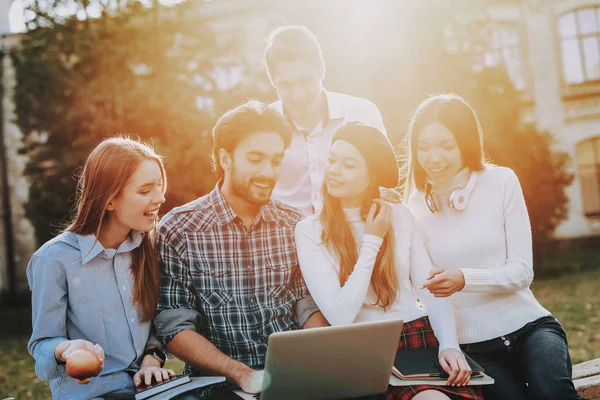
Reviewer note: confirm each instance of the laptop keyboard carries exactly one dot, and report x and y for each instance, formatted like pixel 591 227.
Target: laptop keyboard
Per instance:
pixel 245 395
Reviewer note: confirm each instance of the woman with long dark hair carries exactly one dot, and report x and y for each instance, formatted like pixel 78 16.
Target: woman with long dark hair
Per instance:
pixel 475 222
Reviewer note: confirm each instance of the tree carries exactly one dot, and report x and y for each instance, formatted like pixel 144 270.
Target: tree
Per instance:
pixel 410 50
pixel 136 70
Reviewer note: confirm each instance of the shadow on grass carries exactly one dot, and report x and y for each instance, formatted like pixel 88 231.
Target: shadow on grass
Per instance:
pixel 17 369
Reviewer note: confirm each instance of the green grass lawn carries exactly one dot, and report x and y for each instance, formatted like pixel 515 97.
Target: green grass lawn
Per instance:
pixel 574 299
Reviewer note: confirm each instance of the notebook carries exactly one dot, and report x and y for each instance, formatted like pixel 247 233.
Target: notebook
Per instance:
pixel 424 364
pixel 395 381
pixel 175 386
pixel 143 392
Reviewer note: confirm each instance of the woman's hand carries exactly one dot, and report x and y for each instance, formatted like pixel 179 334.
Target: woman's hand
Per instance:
pixel 379 224
pixel 64 349
pixel 149 368
pixel 444 282
pixel 454 363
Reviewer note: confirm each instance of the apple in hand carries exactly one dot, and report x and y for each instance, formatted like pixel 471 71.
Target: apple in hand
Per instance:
pixel 83 363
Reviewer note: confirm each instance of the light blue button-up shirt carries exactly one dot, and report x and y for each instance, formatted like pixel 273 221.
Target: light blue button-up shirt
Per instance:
pixel 80 290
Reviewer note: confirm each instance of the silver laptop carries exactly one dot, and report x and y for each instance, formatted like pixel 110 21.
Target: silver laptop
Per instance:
pixel 331 363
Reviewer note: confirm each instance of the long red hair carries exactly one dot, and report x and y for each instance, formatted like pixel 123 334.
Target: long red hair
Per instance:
pixel 108 167
pixel 338 237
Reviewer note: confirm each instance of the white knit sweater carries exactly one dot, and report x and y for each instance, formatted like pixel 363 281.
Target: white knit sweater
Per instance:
pixel 355 301
pixel 490 242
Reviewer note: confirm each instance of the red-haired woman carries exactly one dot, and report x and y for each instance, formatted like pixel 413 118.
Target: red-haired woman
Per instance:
pixel 364 260
pixel 96 284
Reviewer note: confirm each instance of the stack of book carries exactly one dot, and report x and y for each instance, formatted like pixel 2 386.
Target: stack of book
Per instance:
pixel 175 386
pixel 422 367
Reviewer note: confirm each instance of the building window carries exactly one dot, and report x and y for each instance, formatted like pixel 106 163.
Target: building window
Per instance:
pixel 588 164
pixel 579 32
pixel 505 48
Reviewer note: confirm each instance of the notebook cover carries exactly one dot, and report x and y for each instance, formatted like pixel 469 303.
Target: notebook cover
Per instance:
pixel 143 392
pixel 424 364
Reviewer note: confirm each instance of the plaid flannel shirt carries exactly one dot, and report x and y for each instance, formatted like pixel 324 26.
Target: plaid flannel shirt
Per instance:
pixel 233 286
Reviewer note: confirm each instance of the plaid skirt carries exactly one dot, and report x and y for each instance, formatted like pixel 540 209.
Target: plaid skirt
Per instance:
pixel 418 334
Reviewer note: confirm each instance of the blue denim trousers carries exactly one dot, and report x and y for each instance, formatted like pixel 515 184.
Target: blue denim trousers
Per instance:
pixel 531 363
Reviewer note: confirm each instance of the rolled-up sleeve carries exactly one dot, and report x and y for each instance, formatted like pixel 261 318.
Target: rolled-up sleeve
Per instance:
pixel 176 300
pixel 49 300
pixel 304 309
pixel 305 306
pixel 152 339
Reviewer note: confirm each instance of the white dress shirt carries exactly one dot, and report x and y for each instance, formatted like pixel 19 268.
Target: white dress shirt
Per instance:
pixel 303 166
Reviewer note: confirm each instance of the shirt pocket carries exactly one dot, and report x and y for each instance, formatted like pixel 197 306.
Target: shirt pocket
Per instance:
pixel 217 314
pixel 216 299
pixel 281 273
pixel 207 257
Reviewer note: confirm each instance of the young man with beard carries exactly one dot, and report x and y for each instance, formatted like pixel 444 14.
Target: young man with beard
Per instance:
pixel 296 70
pixel 230 270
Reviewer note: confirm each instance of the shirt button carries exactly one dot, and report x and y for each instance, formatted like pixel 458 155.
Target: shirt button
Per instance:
pixel 252 300
pixel 249 268
pixel 132 319
pixel 124 288
pixel 507 343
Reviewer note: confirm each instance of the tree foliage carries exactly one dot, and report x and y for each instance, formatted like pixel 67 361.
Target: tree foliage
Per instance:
pixel 135 71
pixel 146 70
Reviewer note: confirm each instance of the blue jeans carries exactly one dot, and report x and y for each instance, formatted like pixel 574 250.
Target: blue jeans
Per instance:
pixel 532 363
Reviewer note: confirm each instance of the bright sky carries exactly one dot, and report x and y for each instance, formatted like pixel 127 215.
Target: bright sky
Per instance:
pixel 15 17
pixel 17 23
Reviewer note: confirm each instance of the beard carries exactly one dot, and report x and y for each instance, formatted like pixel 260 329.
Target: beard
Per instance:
pixel 251 193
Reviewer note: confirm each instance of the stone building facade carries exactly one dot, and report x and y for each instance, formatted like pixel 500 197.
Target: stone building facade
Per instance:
pixel 550 47
pixel 554 53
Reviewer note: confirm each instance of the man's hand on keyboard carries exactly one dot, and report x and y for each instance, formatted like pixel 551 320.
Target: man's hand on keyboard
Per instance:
pixel 252 383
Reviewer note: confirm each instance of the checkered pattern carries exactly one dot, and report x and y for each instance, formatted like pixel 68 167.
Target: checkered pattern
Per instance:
pixel 418 334
pixel 243 283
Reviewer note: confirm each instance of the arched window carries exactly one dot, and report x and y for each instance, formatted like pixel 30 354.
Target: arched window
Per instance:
pixel 579 33
pixel 588 164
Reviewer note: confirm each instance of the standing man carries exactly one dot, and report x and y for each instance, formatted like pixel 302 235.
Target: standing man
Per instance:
pixel 230 271
pixel 296 69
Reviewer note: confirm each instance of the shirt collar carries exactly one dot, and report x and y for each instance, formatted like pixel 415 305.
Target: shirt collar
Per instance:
pixel 225 213
pixel 336 109
pixel 333 110
pixel 223 210
pixel 90 247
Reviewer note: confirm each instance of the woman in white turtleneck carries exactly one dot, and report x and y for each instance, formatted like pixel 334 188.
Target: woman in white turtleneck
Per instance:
pixel 361 264
pixel 476 226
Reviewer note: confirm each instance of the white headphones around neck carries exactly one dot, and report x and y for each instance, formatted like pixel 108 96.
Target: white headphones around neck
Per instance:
pixel 458 199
